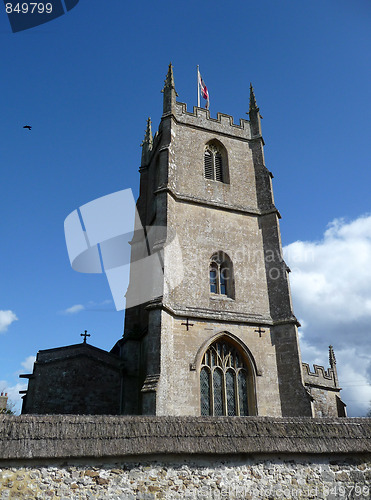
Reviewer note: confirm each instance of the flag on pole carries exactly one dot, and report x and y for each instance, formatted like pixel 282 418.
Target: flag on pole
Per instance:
pixel 203 90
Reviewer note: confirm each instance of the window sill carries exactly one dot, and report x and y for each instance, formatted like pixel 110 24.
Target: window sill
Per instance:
pixel 217 296
pixel 221 183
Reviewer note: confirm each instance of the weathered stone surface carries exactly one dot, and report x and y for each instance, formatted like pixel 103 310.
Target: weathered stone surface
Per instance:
pixel 185 478
pixel 233 214
pixel 80 379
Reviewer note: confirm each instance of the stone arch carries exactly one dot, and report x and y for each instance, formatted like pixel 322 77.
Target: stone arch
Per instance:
pixel 226 371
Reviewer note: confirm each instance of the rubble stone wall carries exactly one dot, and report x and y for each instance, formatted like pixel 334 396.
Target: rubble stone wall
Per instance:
pixel 185 477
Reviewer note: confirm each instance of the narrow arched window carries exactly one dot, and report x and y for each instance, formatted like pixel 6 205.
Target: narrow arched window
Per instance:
pixel 223 278
pixel 205 390
pixel 214 271
pixel 215 162
pixel 221 275
pixel 218 167
pixel 209 164
pixel 242 390
pixel 224 381
pixel 230 391
pixel 218 392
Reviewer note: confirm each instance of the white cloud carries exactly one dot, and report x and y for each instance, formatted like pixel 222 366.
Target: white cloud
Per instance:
pixel 90 306
pixel 74 309
pixel 28 363
pixel 331 289
pixel 104 302
pixel 6 319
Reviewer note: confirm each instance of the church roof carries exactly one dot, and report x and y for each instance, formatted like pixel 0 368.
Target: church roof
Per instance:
pixel 83 349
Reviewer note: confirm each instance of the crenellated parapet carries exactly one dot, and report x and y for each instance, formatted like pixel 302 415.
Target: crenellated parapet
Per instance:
pixel 200 118
pixel 323 387
pixel 320 377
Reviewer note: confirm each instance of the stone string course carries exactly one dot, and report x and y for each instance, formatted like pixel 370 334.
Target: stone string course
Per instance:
pixel 252 478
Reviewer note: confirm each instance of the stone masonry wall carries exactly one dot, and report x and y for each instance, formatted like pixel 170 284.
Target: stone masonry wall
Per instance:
pixel 81 457
pixel 325 401
pixel 170 477
pixel 77 379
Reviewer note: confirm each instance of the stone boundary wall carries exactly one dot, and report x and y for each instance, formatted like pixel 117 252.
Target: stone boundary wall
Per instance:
pixel 191 477
pixel 113 457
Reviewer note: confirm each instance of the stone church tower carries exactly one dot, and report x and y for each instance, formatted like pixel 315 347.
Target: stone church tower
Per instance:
pixel 224 340
pixel 209 325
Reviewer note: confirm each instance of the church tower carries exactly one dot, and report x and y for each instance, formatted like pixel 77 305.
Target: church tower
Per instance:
pixel 217 335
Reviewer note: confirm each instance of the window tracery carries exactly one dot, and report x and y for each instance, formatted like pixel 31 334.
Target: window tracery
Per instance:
pixel 223 381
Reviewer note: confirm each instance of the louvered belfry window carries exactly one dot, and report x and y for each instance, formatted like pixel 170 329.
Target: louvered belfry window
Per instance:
pixel 223 381
pixel 218 167
pixel 209 165
pixel 213 163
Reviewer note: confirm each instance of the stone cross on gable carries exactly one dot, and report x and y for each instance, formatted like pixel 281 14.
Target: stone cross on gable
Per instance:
pixel 85 334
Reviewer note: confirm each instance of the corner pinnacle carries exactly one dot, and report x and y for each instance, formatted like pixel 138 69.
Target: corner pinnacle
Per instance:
pixel 169 80
pixel 253 106
pixel 147 144
pixel 332 358
pixel 148 139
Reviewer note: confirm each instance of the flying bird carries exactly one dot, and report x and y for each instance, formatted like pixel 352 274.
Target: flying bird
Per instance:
pixel 28 126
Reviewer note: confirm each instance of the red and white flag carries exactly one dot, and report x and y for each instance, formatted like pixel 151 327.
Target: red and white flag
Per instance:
pixel 203 90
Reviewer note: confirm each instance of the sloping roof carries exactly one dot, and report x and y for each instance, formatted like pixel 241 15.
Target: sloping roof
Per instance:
pixel 57 436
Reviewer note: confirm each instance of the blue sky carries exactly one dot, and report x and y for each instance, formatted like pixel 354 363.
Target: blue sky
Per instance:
pixel 87 82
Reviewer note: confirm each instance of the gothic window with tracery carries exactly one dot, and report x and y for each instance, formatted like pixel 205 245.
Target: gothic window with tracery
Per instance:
pixel 221 275
pixel 224 381
pixel 215 163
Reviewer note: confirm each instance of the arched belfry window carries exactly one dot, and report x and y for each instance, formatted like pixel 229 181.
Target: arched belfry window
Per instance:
pixel 225 381
pixel 215 162
pixel 221 275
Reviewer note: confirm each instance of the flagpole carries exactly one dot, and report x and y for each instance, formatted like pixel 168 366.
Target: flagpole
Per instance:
pixel 198 86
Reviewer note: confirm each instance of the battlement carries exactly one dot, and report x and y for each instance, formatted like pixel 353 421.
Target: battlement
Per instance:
pixel 222 123
pixel 320 377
